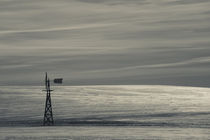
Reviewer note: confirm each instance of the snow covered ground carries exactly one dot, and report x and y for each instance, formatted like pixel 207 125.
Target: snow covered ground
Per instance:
pixel 106 112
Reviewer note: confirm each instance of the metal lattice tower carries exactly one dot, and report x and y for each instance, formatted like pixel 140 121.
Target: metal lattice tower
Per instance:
pixel 48 115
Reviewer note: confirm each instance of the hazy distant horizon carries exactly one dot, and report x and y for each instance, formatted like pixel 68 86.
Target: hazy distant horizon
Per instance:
pixel 100 42
pixel 98 85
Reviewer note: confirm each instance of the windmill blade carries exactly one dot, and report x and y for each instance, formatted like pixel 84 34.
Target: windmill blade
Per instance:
pixel 46 80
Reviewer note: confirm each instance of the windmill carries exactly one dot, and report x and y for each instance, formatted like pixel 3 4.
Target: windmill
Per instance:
pixel 48 114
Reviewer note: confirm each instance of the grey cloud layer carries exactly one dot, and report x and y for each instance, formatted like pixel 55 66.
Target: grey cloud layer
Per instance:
pixel 105 41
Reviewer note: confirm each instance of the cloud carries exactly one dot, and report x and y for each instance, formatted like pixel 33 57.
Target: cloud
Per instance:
pixel 97 41
pixel 116 2
pixel 57 29
pixel 183 2
pixel 14 66
pixel 202 60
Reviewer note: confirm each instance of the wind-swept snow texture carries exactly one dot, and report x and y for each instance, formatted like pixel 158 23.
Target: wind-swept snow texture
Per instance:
pixel 106 112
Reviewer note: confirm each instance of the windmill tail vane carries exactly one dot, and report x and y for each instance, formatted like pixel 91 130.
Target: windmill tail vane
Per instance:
pixel 58 80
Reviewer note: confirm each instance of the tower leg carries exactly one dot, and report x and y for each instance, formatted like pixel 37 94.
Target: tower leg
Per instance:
pixel 48 115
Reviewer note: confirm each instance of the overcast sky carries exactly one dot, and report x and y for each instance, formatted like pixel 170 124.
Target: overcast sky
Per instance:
pixel 90 42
